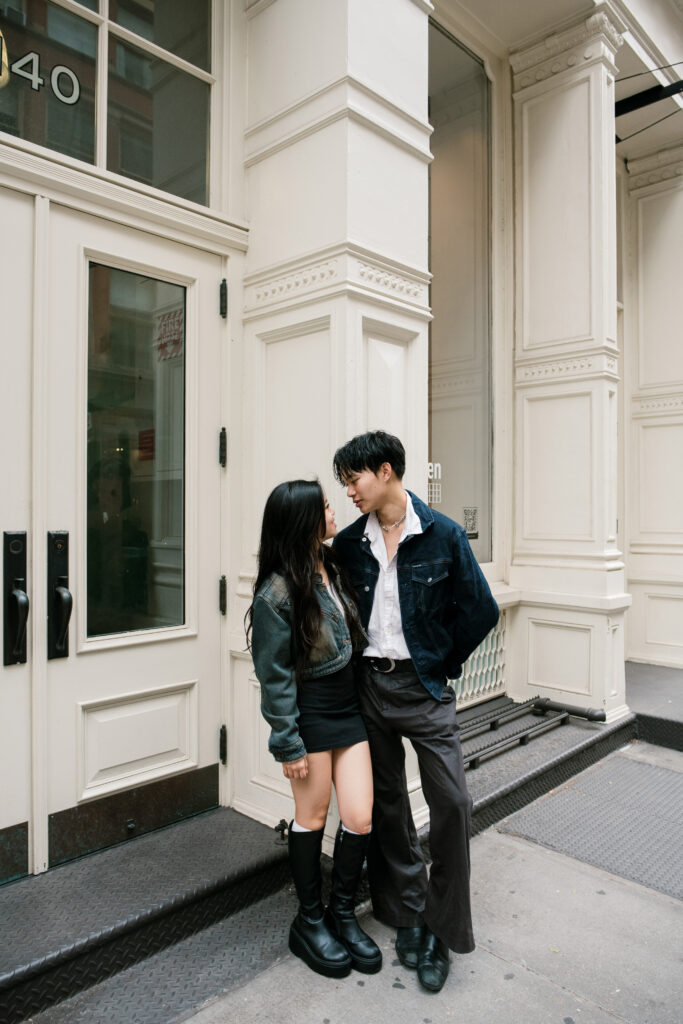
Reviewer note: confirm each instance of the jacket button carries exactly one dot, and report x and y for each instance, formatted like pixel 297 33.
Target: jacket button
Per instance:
pixel 367 589
pixel 429 580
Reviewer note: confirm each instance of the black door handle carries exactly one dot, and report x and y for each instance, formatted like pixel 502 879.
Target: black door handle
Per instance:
pixel 59 599
pixel 19 606
pixel 15 598
pixel 63 604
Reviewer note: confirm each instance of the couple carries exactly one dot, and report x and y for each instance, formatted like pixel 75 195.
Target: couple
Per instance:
pixel 375 625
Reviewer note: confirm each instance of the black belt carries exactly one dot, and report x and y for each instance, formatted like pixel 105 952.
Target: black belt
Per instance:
pixel 386 665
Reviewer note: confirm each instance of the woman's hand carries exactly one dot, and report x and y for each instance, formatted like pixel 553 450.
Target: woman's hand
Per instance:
pixel 296 769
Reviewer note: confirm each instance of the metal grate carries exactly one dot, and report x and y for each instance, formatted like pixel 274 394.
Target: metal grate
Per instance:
pixel 483 674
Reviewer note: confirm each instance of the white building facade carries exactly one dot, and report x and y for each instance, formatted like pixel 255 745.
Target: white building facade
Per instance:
pixel 235 234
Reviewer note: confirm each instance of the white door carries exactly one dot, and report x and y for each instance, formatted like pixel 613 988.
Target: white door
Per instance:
pixel 16 276
pixel 126 667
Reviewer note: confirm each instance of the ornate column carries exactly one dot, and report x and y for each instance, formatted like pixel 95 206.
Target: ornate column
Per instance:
pixel 654 404
pixel 336 305
pixel 565 559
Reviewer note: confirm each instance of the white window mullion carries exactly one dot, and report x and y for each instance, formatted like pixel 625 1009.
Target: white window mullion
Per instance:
pixel 102 88
pixel 126 36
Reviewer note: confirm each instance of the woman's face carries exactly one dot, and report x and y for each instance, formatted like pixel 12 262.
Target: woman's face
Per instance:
pixel 330 525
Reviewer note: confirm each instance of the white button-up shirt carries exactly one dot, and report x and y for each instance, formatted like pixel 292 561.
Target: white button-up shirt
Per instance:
pixel 385 629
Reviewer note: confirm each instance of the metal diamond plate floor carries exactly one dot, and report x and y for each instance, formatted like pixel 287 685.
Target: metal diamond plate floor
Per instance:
pixel 170 986
pixel 49 915
pixel 622 815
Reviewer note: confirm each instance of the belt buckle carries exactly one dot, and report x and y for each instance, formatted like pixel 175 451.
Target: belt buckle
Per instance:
pixel 392 666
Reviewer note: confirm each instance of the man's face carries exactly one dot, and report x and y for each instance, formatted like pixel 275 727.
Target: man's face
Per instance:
pixel 367 490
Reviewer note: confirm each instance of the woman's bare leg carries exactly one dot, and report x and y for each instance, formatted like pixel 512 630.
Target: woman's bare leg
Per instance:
pixel 352 777
pixel 312 794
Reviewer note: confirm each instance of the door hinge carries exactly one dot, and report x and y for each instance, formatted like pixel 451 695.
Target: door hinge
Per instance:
pixel 223 304
pixel 223 447
pixel 223 745
pixel 223 595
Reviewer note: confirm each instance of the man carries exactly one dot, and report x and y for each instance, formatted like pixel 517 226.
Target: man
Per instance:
pixel 426 606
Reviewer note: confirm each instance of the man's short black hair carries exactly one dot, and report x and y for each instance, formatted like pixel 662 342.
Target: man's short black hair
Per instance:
pixel 369 451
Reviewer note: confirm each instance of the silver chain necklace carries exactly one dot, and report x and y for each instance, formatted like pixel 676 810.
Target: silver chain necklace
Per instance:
pixel 397 523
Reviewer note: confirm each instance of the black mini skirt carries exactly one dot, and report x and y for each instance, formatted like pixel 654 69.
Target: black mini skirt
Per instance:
pixel 329 714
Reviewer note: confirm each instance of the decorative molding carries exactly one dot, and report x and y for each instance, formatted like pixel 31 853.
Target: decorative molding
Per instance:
pixel 667 165
pixel 662 405
pixel 346 267
pixel 578 368
pixel 345 112
pixel 309 278
pixel 378 276
pixel 596 38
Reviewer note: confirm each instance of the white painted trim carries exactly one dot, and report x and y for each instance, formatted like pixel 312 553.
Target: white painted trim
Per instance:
pixel 346 112
pixel 38 825
pixel 25 167
pixel 351 81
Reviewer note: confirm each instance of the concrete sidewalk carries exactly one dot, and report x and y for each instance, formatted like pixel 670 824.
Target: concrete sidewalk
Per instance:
pixel 558 939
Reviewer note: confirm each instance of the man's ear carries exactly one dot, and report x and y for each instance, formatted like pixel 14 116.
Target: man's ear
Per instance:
pixel 385 471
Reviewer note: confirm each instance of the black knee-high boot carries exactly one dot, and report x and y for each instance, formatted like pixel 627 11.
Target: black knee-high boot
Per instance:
pixel 349 854
pixel 310 937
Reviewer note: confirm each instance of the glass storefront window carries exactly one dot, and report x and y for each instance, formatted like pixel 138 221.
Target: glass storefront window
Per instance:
pixel 180 27
pixel 157 115
pixel 158 123
pixel 49 96
pixel 136 452
pixel 460 404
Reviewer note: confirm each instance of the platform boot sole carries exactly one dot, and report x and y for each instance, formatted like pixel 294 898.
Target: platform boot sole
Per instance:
pixel 299 947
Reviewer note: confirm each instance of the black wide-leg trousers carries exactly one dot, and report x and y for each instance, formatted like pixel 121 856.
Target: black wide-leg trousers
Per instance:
pixel 396 705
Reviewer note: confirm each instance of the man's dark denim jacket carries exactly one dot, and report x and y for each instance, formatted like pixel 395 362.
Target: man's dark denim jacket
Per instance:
pixel 446 605
pixel 273 652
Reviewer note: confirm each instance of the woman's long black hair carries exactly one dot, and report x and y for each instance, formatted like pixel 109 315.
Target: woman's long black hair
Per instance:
pixel 291 545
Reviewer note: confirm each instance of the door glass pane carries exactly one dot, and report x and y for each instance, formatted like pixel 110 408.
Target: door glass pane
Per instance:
pixel 460 409
pixel 136 452
pixel 180 27
pixel 158 123
pixel 49 96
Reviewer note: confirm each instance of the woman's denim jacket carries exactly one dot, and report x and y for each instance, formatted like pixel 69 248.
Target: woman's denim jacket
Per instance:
pixel 273 651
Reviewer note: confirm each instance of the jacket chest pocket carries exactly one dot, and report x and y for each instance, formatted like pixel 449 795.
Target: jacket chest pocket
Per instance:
pixel 431 585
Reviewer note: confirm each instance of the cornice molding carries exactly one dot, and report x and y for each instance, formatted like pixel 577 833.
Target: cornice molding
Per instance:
pixel 664 166
pixel 662 405
pixel 348 267
pixel 595 39
pixel 577 368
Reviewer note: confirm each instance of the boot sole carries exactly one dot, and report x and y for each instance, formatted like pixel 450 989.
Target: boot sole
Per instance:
pixel 299 948
pixel 365 966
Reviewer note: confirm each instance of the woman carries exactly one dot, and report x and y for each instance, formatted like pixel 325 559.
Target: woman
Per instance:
pixel 304 631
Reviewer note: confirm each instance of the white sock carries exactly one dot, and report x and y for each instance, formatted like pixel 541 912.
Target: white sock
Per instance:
pixel 296 827
pixel 352 833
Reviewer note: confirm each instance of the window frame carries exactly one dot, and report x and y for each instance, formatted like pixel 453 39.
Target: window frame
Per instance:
pixel 107 28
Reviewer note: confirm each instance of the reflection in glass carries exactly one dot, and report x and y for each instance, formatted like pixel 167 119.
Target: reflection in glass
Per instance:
pixel 180 27
pixel 460 411
pixel 49 97
pixel 135 499
pixel 158 123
